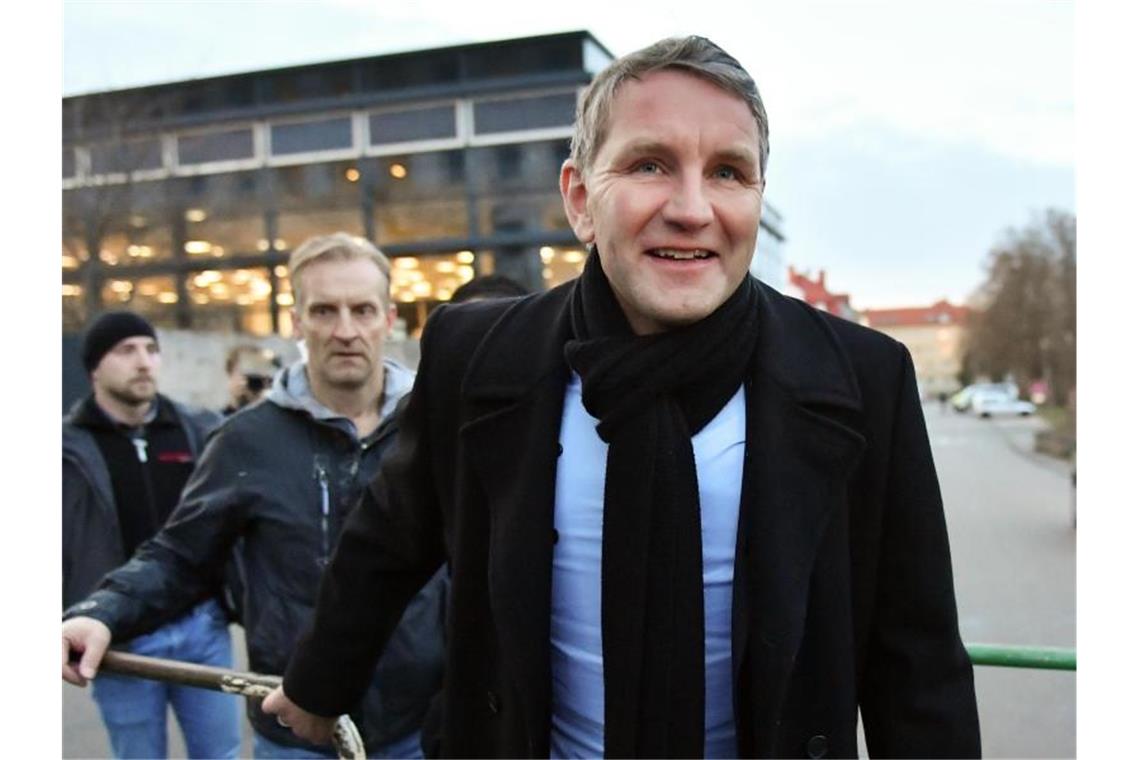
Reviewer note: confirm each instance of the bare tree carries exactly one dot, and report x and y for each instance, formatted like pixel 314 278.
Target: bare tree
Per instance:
pixel 1025 326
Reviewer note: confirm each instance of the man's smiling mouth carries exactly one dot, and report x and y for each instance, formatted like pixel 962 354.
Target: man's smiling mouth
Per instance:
pixel 676 254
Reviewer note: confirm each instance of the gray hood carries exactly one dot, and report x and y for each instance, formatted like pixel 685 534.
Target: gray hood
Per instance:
pixel 291 390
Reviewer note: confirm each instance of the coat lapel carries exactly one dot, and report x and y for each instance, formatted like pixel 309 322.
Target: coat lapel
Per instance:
pixel 512 446
pixel 799 454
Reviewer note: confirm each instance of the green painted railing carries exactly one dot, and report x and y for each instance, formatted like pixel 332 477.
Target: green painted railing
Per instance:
pixel 1044 658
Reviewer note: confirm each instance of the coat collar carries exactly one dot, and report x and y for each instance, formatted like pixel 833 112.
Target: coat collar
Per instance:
pixel 522 347
pixel 798 350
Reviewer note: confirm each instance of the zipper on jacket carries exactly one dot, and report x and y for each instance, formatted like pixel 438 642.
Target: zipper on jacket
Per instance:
pixel 323 479
pixel 140 447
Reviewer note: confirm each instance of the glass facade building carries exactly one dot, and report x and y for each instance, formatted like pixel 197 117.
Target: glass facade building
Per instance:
pixel 182 201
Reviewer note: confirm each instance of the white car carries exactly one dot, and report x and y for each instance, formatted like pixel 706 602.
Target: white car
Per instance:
pixel 963 400
pixel 996 403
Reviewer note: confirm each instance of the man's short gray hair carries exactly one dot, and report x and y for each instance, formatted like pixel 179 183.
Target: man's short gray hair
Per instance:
pixel 337 246
pixel 695 55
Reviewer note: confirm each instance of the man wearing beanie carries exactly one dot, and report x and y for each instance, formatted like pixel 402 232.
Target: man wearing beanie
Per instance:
pixel 127 452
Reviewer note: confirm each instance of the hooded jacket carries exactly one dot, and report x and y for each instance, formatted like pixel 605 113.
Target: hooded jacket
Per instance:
pixel 92 541
pixel 277 479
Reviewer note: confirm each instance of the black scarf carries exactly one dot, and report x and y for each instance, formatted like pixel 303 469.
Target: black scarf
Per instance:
pixel 651 394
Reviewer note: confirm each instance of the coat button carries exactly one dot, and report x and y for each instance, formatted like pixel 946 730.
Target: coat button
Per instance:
pixel 817 746
pixel 559 449
pixel 493 702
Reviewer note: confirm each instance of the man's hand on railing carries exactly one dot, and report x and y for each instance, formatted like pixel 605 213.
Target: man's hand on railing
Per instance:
pixel 314 728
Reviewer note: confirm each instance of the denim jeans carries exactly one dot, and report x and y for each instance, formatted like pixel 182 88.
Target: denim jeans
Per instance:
pixel 408 747
pixel 134 709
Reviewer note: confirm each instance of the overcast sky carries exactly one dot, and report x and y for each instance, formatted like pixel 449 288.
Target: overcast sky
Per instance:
pixel 906 137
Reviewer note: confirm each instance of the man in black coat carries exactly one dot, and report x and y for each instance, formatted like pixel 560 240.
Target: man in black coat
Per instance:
pixel 684 515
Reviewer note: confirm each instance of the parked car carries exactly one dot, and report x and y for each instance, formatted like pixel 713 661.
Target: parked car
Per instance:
pixel 963 400
pixel 993 403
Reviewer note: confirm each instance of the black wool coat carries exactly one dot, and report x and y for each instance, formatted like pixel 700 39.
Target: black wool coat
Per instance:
pixel 843 597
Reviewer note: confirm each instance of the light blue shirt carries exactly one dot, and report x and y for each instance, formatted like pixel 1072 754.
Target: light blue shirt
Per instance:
pixel 578 691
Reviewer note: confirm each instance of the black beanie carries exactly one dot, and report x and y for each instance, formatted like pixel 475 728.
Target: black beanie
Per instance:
pixel 106 331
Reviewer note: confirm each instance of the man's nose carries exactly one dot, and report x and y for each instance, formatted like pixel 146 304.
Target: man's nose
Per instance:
pixel 689 206
pixel 345 328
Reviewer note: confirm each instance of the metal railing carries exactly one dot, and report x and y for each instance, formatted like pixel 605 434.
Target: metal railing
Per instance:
pixel 1042 658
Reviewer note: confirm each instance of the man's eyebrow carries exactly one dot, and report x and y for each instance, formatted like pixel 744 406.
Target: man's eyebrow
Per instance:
pixel 644 145
pixel 737 156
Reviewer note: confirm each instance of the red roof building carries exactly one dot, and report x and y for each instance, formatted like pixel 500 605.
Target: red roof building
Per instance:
pixel 941 313
pixel 815 293
pixel 933 334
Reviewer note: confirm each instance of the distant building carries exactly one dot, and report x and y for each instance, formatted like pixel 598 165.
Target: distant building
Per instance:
pixel 182 201
pixel 934 336
pixel 768 261
pixel 815 293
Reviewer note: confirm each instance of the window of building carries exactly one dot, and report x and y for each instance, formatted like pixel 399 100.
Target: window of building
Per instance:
pixel 516 186
pixel 560 264
pixel 420 283
pixel 419 196
pixel 325 81
pixel 402 72
pixel 73 254
pixel 154 298
pixel 311 136
pixel 221 214
pixel 284 300
pixel 219 233
pixel 74 309
pixel 435 123
pixel 523 58
pixel 237 300
pixel 74 247
pixel 133 238
pixel 126 156
pixel 508 162
pixel 430 278
pixel 516 114
pixel 210 95
pixel 68 162
pixel 210 147
pixel 532 166
pixel 317 199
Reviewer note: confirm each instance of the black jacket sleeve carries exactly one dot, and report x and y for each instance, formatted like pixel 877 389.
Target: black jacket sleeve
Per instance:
pixel 182 563
pixel 918 699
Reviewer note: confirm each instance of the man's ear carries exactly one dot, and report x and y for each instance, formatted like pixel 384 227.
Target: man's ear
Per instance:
pixel 574 197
